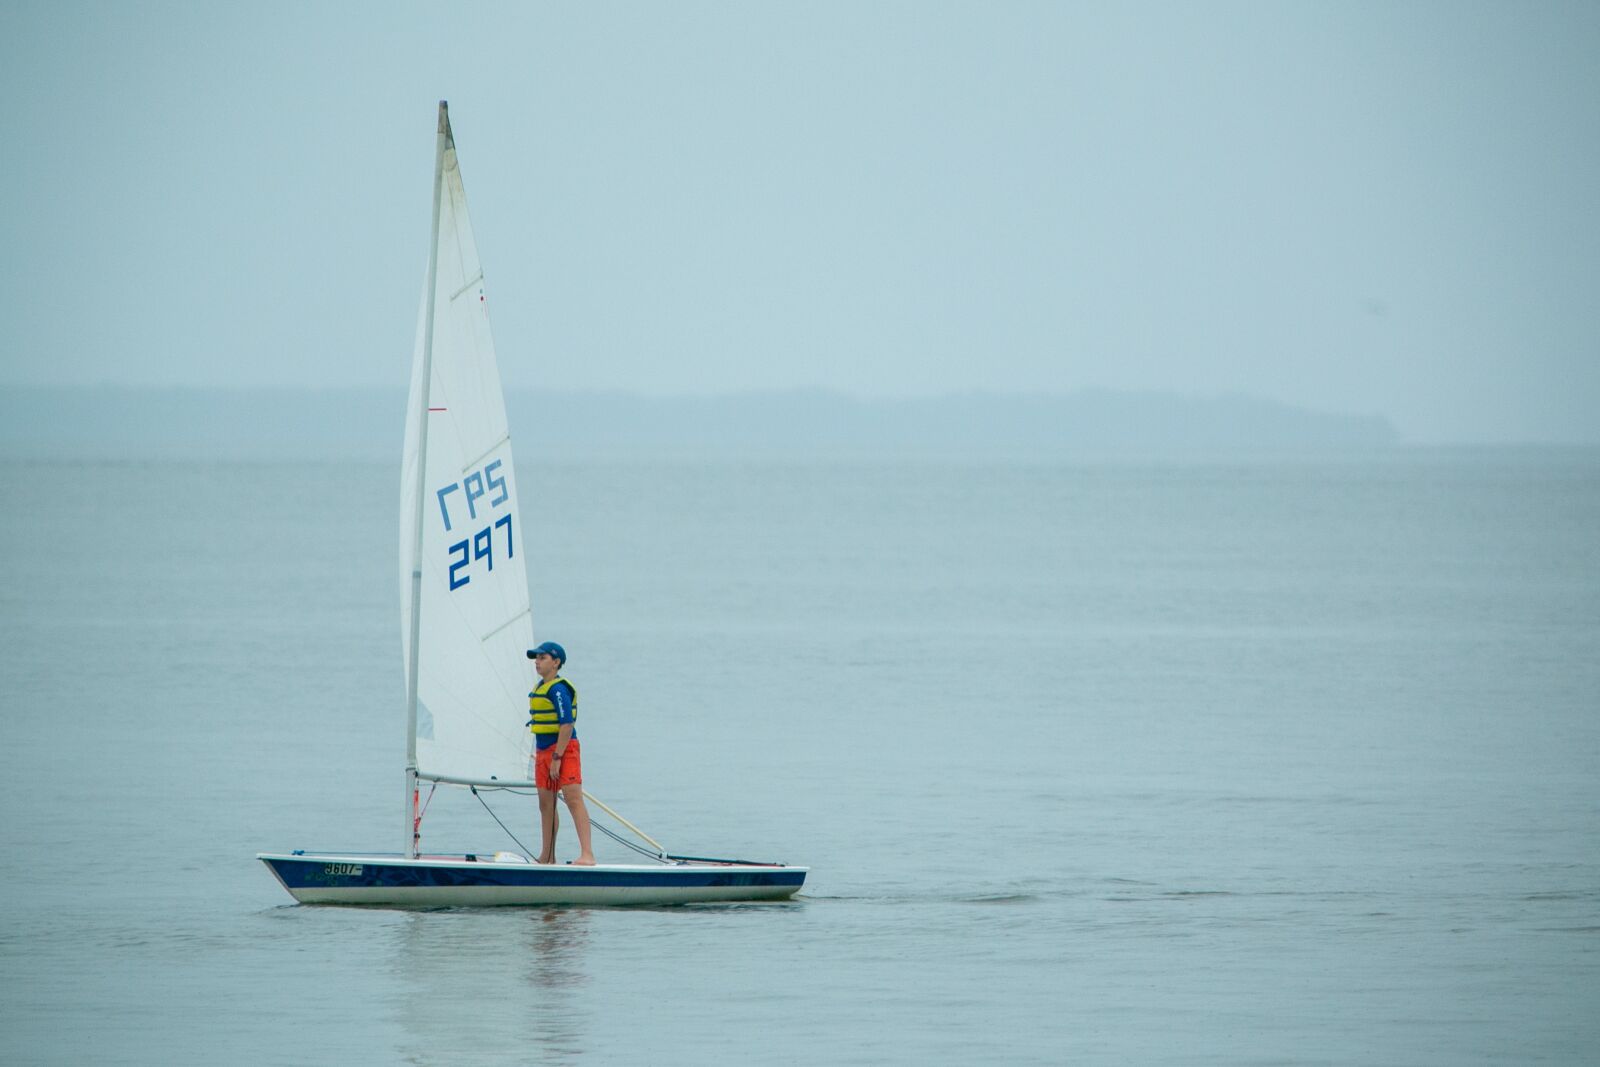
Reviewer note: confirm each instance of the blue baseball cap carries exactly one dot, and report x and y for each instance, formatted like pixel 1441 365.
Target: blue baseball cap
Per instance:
pixel 551 647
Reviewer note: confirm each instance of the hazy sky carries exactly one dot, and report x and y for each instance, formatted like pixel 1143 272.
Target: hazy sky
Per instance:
pixel 1367 207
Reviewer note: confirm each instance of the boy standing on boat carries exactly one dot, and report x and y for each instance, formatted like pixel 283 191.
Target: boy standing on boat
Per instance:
pixel 552 716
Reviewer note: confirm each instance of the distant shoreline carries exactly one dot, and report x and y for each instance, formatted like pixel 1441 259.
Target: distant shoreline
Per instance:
pixel 367 424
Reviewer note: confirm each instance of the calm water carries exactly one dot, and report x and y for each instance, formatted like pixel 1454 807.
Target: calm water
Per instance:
pixel 1190 763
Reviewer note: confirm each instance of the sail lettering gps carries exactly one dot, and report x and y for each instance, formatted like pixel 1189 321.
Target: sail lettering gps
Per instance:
pixel 465 504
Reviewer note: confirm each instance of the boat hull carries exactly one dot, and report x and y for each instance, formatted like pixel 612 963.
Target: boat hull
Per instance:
pixel 457 881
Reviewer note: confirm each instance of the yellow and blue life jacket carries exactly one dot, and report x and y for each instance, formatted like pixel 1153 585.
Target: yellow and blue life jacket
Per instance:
pixel 551 706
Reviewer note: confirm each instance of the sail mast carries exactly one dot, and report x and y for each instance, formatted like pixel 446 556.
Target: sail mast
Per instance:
pixel 412 830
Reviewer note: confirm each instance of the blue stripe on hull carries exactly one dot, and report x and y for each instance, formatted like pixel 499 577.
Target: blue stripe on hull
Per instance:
pixel 379 880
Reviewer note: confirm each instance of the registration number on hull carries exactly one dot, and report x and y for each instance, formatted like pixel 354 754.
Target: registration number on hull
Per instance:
pixel 345 869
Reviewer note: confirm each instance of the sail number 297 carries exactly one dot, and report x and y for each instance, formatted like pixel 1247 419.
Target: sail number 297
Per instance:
pixel 481 545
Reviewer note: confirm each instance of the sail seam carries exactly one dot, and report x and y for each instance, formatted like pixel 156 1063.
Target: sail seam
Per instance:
pixel 471 282
pixel 525 611
pixel 473 465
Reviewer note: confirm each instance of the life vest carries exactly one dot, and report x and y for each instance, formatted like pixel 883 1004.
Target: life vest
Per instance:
pixel 543 718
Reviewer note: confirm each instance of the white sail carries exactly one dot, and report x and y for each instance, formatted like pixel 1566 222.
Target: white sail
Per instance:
pixel 474 629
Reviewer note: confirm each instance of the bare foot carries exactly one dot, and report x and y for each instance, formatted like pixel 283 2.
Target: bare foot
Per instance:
pixel 584 861
pixel 542 859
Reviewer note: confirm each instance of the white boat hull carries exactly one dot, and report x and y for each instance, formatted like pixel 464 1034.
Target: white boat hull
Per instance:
pixel 460 881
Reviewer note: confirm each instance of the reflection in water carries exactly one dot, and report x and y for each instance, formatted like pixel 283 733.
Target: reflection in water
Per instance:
pixel 558 940
pixel 493 985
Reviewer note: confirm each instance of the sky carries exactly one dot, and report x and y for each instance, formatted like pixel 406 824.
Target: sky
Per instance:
pixel 1373 208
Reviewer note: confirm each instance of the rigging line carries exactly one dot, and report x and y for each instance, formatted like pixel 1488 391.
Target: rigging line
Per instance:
pixel 619 839
pixel 496 818
pixel 602 827
pixel 604 807
pixel 425 803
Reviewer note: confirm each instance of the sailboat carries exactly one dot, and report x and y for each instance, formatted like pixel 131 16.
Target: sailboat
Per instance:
pixel 466 623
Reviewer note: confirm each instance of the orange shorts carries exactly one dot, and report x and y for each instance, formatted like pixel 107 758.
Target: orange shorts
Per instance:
pixel 571 766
